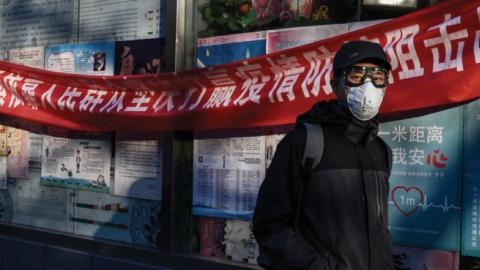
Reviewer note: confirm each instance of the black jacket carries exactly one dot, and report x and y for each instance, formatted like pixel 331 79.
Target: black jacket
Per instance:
pixel 343 223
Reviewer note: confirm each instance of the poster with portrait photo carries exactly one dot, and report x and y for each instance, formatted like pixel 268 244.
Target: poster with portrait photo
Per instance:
pixel 138 57
pixel 87 59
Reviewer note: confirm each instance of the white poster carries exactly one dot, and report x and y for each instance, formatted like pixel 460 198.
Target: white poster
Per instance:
pixel 120 20
pixel 30 57
pixel 35 152
pixel 138 169
pixel 76 163
pixel 41 206
pixel 354 26
pixel 17 161
pixel 293 37
pixel 271 143
pixel 240 243
pixel 32 23
pixel 227 175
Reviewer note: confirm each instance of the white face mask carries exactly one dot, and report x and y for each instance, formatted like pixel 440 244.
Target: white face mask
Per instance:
pixel 364 101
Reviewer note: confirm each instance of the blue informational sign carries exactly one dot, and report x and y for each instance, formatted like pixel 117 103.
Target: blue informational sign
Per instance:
pixel 226 49
pixel 471 181
pixel 89 59
pixel 425 183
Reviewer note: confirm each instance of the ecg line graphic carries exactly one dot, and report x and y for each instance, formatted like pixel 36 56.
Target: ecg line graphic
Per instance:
pixel 426 205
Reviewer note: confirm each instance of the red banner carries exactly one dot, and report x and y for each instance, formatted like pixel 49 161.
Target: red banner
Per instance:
pixel 435 55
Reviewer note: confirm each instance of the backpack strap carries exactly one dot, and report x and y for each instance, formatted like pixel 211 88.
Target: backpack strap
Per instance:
pixel 312 154
pixel 313 145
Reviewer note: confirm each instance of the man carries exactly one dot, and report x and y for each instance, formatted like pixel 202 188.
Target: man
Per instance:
pixel 342 220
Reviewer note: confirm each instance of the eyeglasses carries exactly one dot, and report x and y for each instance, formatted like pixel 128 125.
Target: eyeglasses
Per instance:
pixel 356 75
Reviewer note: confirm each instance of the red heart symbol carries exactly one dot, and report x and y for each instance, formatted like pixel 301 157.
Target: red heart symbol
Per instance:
pixel 407 205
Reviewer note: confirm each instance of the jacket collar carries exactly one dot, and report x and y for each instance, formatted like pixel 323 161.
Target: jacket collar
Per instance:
pixel 342 122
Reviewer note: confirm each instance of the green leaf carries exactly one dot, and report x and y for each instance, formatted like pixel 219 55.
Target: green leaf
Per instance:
pixel 222 21
pixel 207 33
pixel 232 25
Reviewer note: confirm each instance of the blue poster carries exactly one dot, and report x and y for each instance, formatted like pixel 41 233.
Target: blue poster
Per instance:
pixel 425 195
pixel 471 181
pixel 226 49
pixel 88 59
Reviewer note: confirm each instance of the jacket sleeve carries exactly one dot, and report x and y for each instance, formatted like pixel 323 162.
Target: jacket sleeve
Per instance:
pixel 282 247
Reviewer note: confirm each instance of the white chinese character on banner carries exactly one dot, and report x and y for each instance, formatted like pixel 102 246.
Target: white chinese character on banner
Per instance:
pixel 91 100
pixel 400 47
pixel 416 156
pixel 140 101
pixel 68 98
pixel 417 134
pixel 399 133
pixel 399 156
pixel 193 85
pixel 28 92
pixel 221 97
pixel 253 83
pixel 219 77
pixel 446 39
pixel 286 70
pixel 476 47
pixel 11 84
pixel 317 71
pixel 435 134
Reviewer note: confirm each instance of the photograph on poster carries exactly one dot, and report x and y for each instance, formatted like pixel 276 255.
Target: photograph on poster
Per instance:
pixel 138 57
